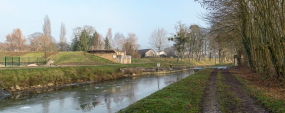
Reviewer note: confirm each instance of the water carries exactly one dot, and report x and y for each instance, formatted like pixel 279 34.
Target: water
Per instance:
pixel 106 97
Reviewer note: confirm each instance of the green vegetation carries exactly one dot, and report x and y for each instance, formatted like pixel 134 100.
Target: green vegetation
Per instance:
pixel 78 57
pixel 179 97
pixel 273 104
pixel 69 58
pixel 61 58
pixel 225 95
pixel 32 57
pixel 165 62
pixel 29 77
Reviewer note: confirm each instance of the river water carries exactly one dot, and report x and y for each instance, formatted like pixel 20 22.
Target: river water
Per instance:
pixel 105 97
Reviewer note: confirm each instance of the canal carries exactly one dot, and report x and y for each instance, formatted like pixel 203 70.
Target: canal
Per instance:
pixel 104 97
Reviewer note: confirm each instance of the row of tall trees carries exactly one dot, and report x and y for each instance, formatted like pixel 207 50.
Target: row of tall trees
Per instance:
pixel 195 43
pixel 84 38
pixel 38 41
pixel 256 25
pixel 87 38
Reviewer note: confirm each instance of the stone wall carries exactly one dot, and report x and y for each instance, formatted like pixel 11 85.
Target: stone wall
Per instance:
pixel 124 59
pixel 121 52
pixel 3 94
pixel 109 56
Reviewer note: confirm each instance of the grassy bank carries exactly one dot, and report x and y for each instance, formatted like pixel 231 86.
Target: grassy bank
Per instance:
pixel 60 58
pixel 32 78
pixel 78 58
pixel 182 96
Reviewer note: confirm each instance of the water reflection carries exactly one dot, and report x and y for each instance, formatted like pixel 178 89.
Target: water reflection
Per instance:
pixel 106 97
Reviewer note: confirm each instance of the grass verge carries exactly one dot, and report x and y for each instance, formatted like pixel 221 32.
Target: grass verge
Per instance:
pixel 182 96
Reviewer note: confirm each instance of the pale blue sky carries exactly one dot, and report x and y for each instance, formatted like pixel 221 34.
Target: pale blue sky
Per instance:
pixel 137 16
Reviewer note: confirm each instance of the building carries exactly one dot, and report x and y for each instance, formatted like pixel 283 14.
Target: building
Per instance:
pixel 145 53
pixel 161 53
pixel 113 55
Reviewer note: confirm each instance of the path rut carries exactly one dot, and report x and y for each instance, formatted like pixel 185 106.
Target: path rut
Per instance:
pixel 210 103
pixel 247 104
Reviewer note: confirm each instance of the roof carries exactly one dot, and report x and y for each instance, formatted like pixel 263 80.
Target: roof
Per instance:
pixel 101 51
pixel 143 51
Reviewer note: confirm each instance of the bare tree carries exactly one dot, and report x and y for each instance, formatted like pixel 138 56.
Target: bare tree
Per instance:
pixel 47 26
pixel 158 39
pixel 40 42
pixel 256 25
pixel 62 43
pixel 119 40
pixel 16 40
pixel 3 46
pixel 62 33
pixel 109 36
pixel 131 46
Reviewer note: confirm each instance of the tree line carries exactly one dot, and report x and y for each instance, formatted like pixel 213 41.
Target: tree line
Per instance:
pixel 254 28
pixel 83 39
pixel 195 43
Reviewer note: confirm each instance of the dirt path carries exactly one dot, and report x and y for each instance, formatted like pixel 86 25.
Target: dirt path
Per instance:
pixel 245 103
pixel 210 102
pixel 227 95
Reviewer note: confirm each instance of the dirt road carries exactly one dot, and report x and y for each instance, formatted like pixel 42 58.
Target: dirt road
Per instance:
pixel 227 94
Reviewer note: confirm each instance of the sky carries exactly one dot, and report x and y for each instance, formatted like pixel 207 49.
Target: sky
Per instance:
pixel 141 17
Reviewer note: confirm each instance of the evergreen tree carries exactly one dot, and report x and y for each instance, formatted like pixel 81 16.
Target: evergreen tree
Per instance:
pixel 74 44
pixel 83 41
pixel 107 44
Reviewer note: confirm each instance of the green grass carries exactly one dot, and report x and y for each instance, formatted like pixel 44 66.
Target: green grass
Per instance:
pixel 69 57
pixel 28 77
pixel 179 97
pixel 270 103
pixel 97 59
pixel 78 58
pixel 32 57
pixel 61 58
pixel 165 62
pixel 225 95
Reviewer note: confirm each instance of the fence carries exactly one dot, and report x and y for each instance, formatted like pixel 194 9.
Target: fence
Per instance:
pixel 21 61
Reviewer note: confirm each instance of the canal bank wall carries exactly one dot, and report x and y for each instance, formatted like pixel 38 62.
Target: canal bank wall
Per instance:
pixel 22 80
pixel 3 94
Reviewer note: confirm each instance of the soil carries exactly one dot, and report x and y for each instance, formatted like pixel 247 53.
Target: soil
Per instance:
pixel 211 104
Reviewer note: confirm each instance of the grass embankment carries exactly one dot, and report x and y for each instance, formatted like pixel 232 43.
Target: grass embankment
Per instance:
pixel 182 96
pixel 60 58
pixel 32 78
pixel 26 57
pixel 270 93
pixel 78 58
